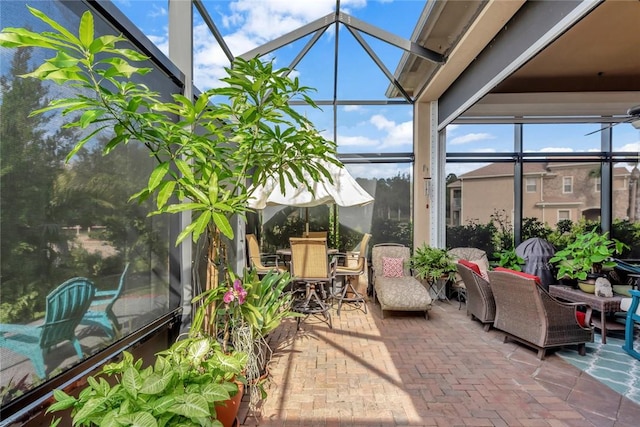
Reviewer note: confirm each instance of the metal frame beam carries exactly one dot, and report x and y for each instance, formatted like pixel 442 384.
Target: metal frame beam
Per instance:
pixel 392 39
pixel 214 30
pixel 318 24
pixel 379 63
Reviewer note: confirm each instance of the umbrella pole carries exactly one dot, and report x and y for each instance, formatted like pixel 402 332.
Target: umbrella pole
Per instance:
pixel 306 216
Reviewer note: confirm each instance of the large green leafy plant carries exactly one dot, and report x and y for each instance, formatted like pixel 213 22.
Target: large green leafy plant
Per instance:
pixel 182 387
pixel 431 263
pixel 205 150
pixel 589 253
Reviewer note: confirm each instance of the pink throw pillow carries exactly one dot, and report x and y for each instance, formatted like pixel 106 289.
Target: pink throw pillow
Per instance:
pixel 392 267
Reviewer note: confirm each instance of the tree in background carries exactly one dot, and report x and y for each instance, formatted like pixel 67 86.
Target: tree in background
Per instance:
pixel 31 160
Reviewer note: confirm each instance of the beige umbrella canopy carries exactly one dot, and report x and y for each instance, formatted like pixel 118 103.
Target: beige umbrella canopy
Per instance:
pixel 344 191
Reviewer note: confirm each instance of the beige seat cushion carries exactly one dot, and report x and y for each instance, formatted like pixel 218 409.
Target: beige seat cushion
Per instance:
pixel 475 255
pixel 402 293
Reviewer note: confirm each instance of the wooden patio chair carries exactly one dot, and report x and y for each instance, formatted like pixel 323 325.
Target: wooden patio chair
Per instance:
pixel 311 268
pixel 65 307
pixel 100 312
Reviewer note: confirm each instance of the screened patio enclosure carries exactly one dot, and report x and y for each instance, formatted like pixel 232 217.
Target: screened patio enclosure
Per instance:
pixel 452 114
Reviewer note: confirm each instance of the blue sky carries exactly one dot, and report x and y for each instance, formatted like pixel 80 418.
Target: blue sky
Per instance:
pixel 246 24
pixel 250 23
pixel 365 128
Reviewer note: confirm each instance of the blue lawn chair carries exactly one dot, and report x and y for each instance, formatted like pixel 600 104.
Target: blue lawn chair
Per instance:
pixel 101 313
pixel 632 271
pixel 633 315
pixel 65 307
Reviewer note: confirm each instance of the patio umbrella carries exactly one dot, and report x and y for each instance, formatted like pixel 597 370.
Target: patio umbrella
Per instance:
pixel 537 252
pixel 344 191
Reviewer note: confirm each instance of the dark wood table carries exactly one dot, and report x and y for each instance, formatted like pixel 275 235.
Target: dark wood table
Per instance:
pixel 603 305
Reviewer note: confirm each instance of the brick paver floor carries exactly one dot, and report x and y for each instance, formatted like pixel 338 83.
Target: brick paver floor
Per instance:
pixel 404 370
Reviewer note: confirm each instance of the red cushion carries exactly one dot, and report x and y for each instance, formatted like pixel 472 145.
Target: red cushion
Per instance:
pixel 580 317
pixel 470 265
pixel 520 273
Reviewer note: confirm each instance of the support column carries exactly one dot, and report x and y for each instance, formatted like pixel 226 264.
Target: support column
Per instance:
pixel 428 170
pixel 181 53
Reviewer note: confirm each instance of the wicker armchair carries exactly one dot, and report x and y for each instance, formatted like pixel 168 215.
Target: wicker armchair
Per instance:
pixel 480 302
pixel 529 315
pixel 401 293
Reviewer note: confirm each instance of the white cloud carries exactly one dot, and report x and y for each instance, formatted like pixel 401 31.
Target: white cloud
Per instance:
pixel 378 170
pixel 351 108
pixel 555 149
pixel 161 42
pixel 366 143
pixel 381 122
pixel 396 133
pixel 157 11
pixel 632 147
pixel 470 137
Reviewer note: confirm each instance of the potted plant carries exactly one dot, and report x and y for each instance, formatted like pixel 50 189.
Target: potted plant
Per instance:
pixel 509 259
pixel 587 256
pixel 432 264
pixel 247 310
pixel 186 385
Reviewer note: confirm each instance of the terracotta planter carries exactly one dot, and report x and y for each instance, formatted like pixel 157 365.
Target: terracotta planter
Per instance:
pixel 227 412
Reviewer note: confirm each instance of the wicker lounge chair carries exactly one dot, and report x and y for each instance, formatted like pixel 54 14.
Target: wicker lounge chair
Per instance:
pixel 528 314
pixel 402 292
pixel 480 302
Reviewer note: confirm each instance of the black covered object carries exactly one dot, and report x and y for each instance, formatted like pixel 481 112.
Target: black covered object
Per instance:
pixel 536 253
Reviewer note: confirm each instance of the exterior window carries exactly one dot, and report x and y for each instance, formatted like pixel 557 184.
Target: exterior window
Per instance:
pixel 531 185
pixel 598 184
pixel 564 214
pixel 567 184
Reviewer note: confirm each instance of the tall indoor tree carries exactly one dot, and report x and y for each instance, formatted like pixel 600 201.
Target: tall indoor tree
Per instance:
pixel 207 152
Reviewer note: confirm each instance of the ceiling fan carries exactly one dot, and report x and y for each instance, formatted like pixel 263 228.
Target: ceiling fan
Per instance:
pixel 633 117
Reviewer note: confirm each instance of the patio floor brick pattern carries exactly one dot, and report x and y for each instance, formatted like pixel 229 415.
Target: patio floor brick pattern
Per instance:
pixel 407 371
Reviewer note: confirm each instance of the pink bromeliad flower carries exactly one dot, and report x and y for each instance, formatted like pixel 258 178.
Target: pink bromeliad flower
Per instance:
pixel 240 292
pixel 236 292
